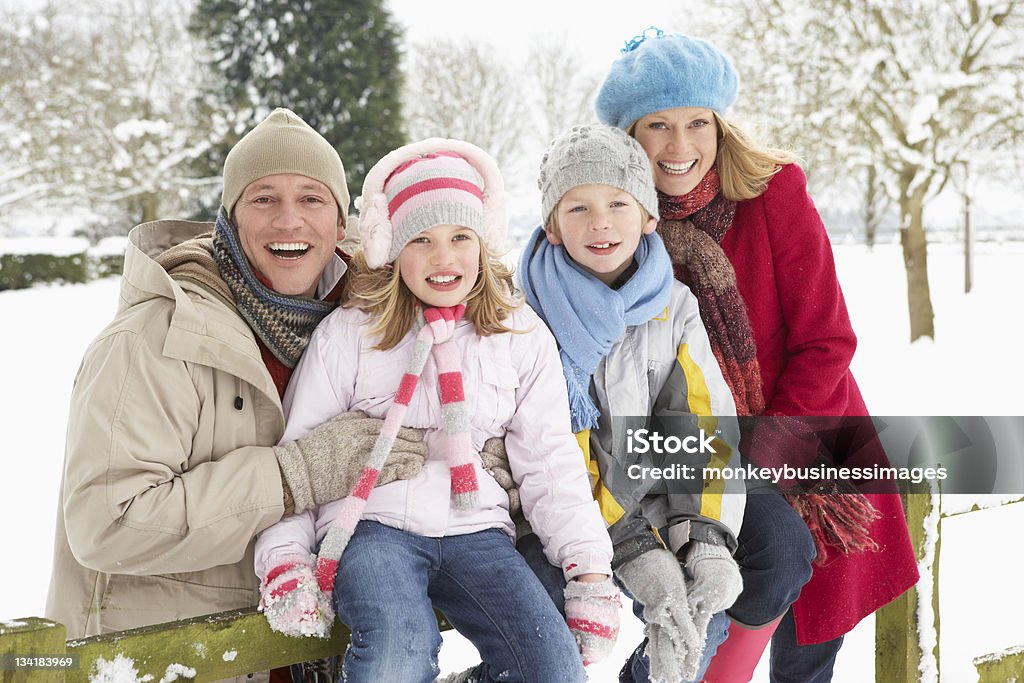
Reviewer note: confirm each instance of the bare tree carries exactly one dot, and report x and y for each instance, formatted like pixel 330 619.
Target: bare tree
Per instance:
pixel 562 88
pixel 908 89
pixel 461 89
pixel 97 99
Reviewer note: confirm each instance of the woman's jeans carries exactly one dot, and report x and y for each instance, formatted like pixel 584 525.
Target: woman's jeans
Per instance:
pixel 390 580
pixel 775 555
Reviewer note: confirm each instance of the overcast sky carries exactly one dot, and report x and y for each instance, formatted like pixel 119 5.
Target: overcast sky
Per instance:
pixel 597 28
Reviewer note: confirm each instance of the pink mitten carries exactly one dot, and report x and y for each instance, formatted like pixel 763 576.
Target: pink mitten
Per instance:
pixel 292 601
pixel 592 611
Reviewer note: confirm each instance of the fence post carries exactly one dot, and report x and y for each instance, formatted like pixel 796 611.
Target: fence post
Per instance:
pixel 30 636
pixel 898 647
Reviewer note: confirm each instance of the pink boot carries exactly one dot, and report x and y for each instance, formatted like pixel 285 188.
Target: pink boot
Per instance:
pixel 737 657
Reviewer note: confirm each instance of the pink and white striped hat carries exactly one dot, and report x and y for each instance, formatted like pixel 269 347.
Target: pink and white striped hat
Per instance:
pixel 432 182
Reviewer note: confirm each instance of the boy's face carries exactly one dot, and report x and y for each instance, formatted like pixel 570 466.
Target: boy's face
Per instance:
pixel 440 265
pixel 600 226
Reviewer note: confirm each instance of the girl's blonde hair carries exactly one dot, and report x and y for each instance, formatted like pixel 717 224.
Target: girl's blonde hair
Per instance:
pixel 382 293
pixel 744 166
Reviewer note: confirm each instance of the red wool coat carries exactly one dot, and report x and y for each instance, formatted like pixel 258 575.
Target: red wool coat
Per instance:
pixel 786 274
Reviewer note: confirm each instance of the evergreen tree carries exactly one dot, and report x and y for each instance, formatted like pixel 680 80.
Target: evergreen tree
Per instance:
pixel 334 62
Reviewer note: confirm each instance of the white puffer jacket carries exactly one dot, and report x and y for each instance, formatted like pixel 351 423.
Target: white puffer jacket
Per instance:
pixel 515 389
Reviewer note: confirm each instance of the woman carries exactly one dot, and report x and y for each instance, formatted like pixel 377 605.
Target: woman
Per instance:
pixel 744 235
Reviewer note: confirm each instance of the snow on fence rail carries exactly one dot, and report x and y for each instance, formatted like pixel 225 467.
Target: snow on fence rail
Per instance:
pixel 206 648
pixel 235 643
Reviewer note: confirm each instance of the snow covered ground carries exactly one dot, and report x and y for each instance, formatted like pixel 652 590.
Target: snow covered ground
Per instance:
pixel 973 368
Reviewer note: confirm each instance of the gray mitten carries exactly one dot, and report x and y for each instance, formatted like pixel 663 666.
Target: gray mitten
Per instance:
pixel 674 645
pixel 495 461
pixel 716 582
pixel 325 464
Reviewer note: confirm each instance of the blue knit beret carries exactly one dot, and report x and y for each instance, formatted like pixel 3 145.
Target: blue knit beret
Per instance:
pixel 664 72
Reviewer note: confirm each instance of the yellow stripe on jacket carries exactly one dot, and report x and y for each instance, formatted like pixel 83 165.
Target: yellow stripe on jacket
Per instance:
pixel 698 397
pixel 610 508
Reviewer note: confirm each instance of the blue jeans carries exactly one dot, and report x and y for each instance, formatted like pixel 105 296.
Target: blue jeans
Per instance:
pixel 775 555
pixel 389 581
pixel 637 666
pixel 792 663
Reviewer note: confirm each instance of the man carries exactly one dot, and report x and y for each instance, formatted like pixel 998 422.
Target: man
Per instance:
pixel 171 466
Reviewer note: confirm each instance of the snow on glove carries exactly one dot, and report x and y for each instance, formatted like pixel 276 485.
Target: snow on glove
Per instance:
pixel 674 645
pixel 495 461
pixel 293 603
pixel 592 612
pixel 715 585
pixel 325 464
pixel 838 517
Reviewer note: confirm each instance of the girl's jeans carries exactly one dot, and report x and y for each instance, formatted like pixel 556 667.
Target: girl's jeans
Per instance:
pixel 390 580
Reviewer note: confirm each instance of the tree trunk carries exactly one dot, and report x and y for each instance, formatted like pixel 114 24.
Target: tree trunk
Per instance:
pixel 915 257
pixel 872 214
pixel 150 204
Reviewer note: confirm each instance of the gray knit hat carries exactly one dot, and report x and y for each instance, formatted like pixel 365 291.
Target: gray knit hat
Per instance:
pixel 596 154
pixel 283 143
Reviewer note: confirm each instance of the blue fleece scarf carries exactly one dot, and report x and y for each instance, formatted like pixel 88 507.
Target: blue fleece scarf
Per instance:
pixel 587 316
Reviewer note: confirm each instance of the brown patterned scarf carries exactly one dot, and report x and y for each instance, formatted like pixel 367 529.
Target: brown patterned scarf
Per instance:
pixel 692 227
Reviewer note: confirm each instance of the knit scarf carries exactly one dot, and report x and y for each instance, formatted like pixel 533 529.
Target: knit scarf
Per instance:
pixel 693 227
pixel 586 316
pixel 283 322
pixel 434 338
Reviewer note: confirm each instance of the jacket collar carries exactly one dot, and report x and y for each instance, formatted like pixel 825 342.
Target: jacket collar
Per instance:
pixel 203 329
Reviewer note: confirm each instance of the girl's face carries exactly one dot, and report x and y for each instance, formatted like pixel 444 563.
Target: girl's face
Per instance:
pixel 441 264
pixel 600 226
pixel 681 143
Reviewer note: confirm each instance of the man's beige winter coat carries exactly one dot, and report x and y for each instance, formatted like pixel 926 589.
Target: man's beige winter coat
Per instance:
pixel 168 471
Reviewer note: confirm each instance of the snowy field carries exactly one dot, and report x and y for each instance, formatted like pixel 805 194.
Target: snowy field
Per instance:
pixel 974 367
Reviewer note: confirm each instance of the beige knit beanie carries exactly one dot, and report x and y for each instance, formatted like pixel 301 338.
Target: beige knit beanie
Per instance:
pixel 283 143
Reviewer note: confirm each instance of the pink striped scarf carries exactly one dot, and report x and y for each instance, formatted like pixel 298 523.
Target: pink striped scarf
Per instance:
pixel 435 338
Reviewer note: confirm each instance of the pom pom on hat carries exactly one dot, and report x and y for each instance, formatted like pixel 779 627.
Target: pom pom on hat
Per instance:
pixel 431 182
pixel 665 71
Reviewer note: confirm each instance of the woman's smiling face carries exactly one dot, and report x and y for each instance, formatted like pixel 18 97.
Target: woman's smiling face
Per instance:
pixel 682 144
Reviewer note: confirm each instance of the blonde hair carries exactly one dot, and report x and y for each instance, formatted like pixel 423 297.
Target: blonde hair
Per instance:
pixel 744 166
pixel 393 308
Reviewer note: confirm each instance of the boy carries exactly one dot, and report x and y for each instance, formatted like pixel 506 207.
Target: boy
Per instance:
pixel 636 357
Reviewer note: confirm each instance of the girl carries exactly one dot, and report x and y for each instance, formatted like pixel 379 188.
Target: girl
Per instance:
pixel 430 338
pixel 743 233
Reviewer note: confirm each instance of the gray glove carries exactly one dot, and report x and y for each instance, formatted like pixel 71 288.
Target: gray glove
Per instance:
pixel 716 582
pixel 495 461
pixel 325 464
pixel 674 644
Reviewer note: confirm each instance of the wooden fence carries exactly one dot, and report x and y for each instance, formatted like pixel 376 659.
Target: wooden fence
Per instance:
pixel 901 626
pixel 236 643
